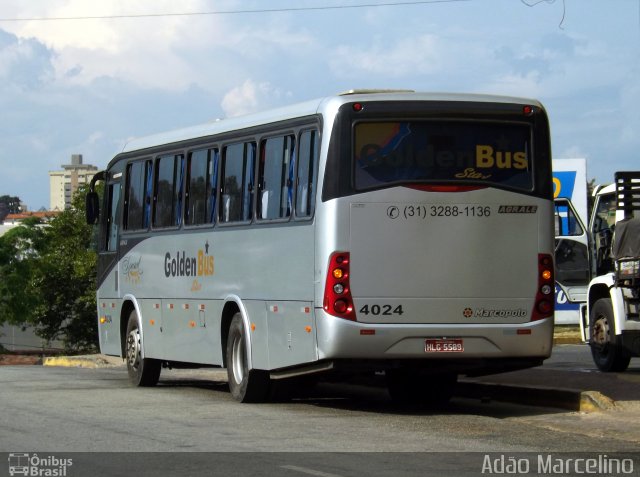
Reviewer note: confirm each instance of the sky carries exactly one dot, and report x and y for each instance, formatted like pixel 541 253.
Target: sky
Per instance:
pixel 76 85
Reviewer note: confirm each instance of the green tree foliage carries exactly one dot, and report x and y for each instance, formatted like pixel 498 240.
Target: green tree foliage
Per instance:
pixel 9 205
pixel 47 278
pixel 19 251
pixel 591 185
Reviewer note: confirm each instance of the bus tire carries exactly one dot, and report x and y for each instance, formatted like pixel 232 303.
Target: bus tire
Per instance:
pixel 606 347
pixel 412 388
pixel 142 371
pixel 246 385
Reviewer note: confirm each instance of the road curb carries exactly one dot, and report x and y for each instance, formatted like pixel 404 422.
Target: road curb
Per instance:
pixel 540 396
pixel 87 361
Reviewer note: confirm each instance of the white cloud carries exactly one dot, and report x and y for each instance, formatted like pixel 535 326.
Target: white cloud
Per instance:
pixel 527 84
pixel 407 56
pixel 24 63
pixel 168 53
pixel 250 97
pixel 571 152
pixel 144 51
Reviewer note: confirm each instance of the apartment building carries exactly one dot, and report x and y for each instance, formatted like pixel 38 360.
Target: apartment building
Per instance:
pixel 64 183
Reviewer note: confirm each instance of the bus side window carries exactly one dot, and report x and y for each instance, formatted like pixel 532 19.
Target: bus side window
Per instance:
pixel 200 186
pixel 306 176
pixel 148 186
pixel 134 197
pixel 212 188
pixel 249 177
pixel 168 191
pixel 275 180
pixel 113 198
pixel 238 164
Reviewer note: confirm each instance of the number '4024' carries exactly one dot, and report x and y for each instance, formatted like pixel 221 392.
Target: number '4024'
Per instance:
pixel 381 310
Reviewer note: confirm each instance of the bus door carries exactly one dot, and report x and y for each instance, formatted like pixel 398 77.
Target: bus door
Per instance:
pixel 572 262
pixel 108 286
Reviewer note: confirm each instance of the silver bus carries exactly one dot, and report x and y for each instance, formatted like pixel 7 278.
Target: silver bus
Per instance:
pixel 402 233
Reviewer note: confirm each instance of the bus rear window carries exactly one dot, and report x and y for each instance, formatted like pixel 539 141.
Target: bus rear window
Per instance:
pixel 395 152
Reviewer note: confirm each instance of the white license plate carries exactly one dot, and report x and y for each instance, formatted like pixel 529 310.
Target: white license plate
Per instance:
pixel 440 345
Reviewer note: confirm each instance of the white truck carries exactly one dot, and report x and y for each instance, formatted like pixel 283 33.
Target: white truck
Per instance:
pixel 610 319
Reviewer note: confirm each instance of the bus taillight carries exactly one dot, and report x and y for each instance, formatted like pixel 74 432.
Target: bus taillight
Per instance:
pixel 337 292
pixel 544 305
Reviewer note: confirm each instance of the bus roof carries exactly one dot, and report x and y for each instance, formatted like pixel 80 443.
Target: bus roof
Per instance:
pixel 308 108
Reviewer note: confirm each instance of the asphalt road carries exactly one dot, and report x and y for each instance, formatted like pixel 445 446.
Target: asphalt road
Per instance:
pixel 338 430
pixel 571 367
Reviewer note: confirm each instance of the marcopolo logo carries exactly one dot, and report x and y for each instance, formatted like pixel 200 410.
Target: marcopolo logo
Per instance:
pixel 493 313
pixel 183 265
pixel 41 466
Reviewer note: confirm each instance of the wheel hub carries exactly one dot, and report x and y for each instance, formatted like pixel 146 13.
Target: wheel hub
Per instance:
pixel 600 335
pixel 133 349
pixel 238 358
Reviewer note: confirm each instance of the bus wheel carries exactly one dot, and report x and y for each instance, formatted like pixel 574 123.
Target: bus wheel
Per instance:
pixel 606 346
pixel 409 387
pixel 246 385
pixel 142 371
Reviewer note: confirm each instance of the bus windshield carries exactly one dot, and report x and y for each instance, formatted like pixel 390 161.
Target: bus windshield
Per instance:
pixel 393 152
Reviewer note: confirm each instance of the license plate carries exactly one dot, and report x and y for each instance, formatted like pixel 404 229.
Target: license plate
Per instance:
pixel 440 345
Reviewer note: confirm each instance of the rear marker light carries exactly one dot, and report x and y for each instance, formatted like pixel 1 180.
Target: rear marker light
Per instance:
pixel 341 306
pixel 337 292
pixel 545 306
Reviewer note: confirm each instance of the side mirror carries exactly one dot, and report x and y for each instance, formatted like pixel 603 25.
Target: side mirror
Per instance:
pixel 92 209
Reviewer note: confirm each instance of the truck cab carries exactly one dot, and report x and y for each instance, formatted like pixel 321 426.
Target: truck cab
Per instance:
pixel 610 320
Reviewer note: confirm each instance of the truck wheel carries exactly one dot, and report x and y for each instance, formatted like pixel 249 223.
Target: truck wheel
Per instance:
pixel 246 385
pixel 414 389
pixel 142 371
pixel 606 347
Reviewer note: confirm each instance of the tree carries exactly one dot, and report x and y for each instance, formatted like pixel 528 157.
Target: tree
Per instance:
pixel 65 279
pixel 591 185
pixel 9 205
pixel 47 278
pixel 19 249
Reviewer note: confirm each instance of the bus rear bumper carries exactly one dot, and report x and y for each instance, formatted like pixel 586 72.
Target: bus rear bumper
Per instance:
pixel 343 339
